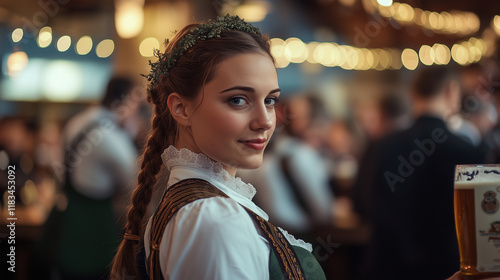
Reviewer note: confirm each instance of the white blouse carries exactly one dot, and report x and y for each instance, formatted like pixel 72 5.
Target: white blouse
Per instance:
pixel 213 238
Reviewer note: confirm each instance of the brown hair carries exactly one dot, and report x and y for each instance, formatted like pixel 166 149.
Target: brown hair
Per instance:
pixel 193 69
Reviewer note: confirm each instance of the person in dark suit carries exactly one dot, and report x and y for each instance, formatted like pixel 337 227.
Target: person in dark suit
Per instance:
pixel 409 179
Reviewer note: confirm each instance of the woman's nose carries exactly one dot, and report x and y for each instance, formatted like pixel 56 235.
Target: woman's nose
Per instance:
pixel 262 118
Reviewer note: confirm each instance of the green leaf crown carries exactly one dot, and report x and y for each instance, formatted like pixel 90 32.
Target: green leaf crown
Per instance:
pixel 211 29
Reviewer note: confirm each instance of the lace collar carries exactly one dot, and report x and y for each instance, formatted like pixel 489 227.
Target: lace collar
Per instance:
pixel 172 157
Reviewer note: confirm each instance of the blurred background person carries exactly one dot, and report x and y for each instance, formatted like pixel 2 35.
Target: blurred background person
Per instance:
pixel 97 174
pixel 478 114
pixel 477 118
pixel 411 181
pixel 492 138
pixel 394 112
pixel 17 148
pixel 394 115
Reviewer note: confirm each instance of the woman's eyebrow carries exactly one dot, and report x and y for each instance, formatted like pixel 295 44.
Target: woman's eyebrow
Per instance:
pixel 243 88
pixel 248 89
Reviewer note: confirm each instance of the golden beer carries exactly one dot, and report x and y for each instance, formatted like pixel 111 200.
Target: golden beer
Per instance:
pixel 477 220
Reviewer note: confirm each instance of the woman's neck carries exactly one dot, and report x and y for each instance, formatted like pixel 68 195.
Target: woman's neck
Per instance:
pixel 193 148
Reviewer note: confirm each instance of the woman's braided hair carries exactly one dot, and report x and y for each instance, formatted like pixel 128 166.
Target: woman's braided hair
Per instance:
pixel 188 62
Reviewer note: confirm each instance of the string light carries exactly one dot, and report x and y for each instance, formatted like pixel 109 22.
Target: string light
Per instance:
pixel 396 62
pixel 278 47
pixel 496 24
pixel 105 48
pixel 454 22
pixel 84 45
pixel 293 50
pixel 426 55
pixel 129 17
pixel 44 37
pixel 251 11
pixel 442 54
pixel 148 45
pixel 311 47
pixel 385 3
pixel 409 58
pixel 16 63
pixel 17 35
pixel 64 43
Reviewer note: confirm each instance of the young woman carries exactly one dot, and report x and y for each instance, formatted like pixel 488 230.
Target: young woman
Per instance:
pixel 214 92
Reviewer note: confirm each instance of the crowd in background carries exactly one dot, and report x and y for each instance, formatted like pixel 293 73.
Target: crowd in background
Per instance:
pixel 312 179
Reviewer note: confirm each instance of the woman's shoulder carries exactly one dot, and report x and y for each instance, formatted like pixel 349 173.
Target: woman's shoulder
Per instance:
pixel 213 214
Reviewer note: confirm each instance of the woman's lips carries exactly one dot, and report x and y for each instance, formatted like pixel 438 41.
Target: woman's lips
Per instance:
pixel 256 144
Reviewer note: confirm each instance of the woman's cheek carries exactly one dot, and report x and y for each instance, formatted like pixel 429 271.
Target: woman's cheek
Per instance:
pixel 230 122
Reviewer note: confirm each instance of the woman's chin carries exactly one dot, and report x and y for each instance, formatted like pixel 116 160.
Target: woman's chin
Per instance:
pixel 251 165
pixel 254 164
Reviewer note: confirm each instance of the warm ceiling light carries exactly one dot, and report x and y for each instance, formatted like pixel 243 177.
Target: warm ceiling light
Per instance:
pixel 16 63
pixel 496 24
pixel 459 54
pixel 472 22
pixel 17 35
pixel 361 59
pixel 84 45
pixel 426 54
pixel 404 13
pixel 449 23
pixel 442 53
pixel 322 54
pixel 395 59
pixel 369 59
pixel 64 43
pixel 409 58
pixel 129 17
pixel 295 50
pixel 310 52
pixel 105 48
pixel 349 57
pixel 148 45
pixel 278 47
pixel 385 3
pixel 339 55
pixel 474 54
pixel 434 20
pixel 459 23
pixel 478 43
pixel 252 11
pixel 44 37
pixel 384 59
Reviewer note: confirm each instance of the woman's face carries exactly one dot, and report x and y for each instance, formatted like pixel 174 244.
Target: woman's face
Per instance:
pixel 236 117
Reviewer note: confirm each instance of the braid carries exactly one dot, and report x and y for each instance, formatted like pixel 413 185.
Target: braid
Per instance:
pixel 124 264
pixel 195 58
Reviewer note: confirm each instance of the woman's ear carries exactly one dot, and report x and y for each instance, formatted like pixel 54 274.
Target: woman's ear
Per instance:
pixel 178 108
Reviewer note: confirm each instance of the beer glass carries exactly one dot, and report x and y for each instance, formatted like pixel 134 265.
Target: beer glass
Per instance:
pixel 477 220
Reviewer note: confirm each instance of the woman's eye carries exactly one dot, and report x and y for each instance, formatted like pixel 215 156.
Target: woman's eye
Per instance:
pixel 238 101
pixel 271 101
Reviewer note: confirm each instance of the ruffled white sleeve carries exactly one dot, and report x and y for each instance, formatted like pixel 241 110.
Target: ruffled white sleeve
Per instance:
pixel 212 238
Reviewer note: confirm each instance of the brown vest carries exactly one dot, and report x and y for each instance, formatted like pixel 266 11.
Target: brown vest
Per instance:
pixel 189 190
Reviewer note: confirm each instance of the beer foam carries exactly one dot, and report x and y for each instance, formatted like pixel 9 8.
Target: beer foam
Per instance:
pixel 478 182
pixel 472 176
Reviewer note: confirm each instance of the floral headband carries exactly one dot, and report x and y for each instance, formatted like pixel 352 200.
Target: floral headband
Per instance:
pixel 211 29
